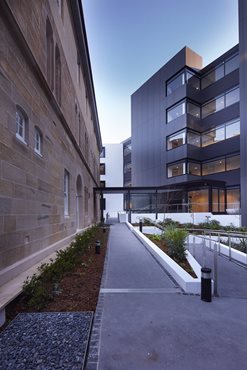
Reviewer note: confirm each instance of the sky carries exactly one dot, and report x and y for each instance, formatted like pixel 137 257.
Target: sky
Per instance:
pixel 130 40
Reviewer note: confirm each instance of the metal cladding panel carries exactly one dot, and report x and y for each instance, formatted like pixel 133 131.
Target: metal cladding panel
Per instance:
pixel 243 105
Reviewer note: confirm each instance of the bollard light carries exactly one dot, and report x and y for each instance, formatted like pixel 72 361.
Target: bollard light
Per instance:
pixel 140 225
pixel 206 294
pixel 97 247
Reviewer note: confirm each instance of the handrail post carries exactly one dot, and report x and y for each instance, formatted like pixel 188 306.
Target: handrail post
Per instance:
pixel 219 242
pixel 215 270
pixel 194 246
pixel 230 245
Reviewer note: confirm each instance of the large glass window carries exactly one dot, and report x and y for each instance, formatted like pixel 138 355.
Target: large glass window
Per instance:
pixel 218 200
pixel 175 83
pixel 183 77
pixel 220 102
pixel 193 109
pixel 176 169
pixel 193 138
pixel 175 112
pixel 232 97
pixel 213 167
pixel 233 163
pixel 198 200
pixel 213 106
pixel 233 129
pixel 232 64
pixel 233 200
pixel 213 76
pixel 176 140
pixel 192 80
pixel 194 168
pixel 213 136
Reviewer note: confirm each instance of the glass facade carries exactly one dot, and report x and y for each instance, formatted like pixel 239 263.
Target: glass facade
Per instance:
pixel 233 163
pixel 193 138
pixel 220 102
pixel 193 110
pixel 233 200
pixel 176 140
pixel 220 71
pixel 198 200
pixel 176 169
pixel 194 168
pixel 213 167
pixel 213 76
pixel 219 133
pixel 175 112
pixel 184 77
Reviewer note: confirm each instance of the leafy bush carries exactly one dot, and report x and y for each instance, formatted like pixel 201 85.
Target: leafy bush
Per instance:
pixel 175 240
pixel 155 237
pixel 42 287
pixel 212 224
pixel 147 222
pixel 169 222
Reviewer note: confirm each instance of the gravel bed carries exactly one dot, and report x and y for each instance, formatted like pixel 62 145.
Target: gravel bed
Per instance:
pixel 45 341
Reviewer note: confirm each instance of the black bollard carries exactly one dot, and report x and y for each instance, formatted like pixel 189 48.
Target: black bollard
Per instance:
pixel 206 291
pixel 97 247
pixel 140 225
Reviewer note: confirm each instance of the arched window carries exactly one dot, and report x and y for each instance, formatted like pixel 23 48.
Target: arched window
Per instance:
pixel 21 125
pixel 38 141
pixel 58 75
pixel 49 54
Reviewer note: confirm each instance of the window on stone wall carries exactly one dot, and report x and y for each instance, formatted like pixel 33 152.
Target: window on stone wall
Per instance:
pixel 66 193
pixel 49 54
pixel 86 196
pixel 21 125
pixel 38 141
pixel 102 168
pixel 58 75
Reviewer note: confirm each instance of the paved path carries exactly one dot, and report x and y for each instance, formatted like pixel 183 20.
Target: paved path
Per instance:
pixel 232 278
pixel 148 324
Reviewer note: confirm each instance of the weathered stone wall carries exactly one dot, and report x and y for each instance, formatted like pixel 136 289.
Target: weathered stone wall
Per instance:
pixel 31 186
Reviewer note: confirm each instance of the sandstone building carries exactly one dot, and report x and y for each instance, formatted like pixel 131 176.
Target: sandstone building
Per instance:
pixel 49 131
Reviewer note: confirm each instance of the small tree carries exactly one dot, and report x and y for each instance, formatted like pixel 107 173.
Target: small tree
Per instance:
pixel 175 241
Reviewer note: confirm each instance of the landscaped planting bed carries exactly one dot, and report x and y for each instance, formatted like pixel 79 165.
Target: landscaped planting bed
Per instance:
pixel 69 284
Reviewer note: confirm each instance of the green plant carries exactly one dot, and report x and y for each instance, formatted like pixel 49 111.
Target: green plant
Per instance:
pixel 212 225
pixel 169 222
pixel 155 237
pixel 175 240
pixel 42 287
pixel 147 222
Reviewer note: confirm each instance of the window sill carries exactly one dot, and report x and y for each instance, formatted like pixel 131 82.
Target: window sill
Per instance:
pixel 38 153
pixel 20 138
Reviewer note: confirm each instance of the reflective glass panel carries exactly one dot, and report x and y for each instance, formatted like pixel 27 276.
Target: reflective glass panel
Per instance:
pixel 215 200
pixel 213 167
pixel 233 129
pixel 232 97
pixel 233 163
pixel 175 83
pixel 213 76
pixel 233 200
pixel 175 112
pixel 192 80
pixel 222 205
pixel 193 109
pixel 193 139
pixel 176 169
pixel 213 106
pixel 194 169
pixel 198 200
pixel 176 140
pixel 232 64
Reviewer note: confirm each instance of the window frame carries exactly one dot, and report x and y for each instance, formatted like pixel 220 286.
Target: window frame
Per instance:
pixel 66 193
pixel 20 115
pixel 39 150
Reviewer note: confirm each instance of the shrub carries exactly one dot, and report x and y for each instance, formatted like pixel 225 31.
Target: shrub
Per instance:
pixel 175 240
pixel 147 222
pixel 213 225
pixel 41 288
pixel 169 222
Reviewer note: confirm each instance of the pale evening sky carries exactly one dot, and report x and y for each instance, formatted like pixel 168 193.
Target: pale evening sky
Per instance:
pixel 129 40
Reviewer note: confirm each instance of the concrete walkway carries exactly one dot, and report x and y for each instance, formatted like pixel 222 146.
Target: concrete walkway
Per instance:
pixel 147 323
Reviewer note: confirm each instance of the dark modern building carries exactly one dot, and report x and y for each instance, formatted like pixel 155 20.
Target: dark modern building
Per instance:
pixel 186 124
pixel 127 166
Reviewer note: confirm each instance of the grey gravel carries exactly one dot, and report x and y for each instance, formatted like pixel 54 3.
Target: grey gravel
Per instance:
pixel 46 341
